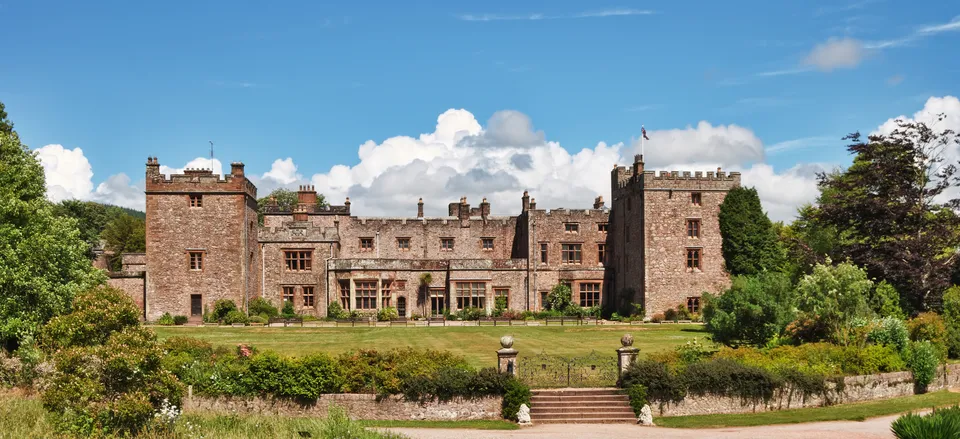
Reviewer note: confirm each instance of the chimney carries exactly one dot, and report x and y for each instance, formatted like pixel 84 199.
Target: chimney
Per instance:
pixel 300 213
pixel 420 208
pixel 526 201
pixel 236 169
pixel 307 197
pixel 153 168
pixel 464 209
pixel 347 205
pixel 533 204
pixel 598 202
pixel 637 165
pixel 484 208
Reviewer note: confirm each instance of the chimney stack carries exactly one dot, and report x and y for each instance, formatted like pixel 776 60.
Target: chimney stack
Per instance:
pixel 637 165
pixel 300 213
pixel 533 204
pixel 420 208
pixel 526 201
pixel 153 168
pixel 307 197
pixel 347 205
pixel 484 208
pixel 236 169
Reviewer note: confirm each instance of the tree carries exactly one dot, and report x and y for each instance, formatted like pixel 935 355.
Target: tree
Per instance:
pixel 888 205
pixel 753 311
pixel 6 127
pixel 559 298
pixel 43 260
pixel 807 242
pixel 124 234
pixel 92 218
pixel 750 244
pixel 834 296
pixel 286 201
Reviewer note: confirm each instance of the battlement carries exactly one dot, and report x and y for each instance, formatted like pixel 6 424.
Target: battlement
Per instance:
pixel 194 180
pixel 686 175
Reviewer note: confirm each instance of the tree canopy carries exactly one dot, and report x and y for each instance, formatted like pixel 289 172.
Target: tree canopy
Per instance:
pixel 124 234
pixel 92 218
pixel 753 311
pixel 890 211
pixel 750 244
pixel 286 201
pixel 43 260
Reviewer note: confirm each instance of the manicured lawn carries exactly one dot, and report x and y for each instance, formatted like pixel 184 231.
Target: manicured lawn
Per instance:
pixel 473 425
pixel 843 412
pixel 477 344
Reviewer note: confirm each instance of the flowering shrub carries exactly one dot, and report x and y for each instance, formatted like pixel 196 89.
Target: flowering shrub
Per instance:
pixel 165 320
pixel 108 377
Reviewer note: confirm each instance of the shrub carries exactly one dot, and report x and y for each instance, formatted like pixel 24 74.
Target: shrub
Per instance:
pixel 450 382
pixel 930 327
pixel 387 313
pixel 108 377
pixel 470 313
pixel 885 301
pixel 940 424
pixel 335 311
pixel 638 398
pixel 559 298
pixel 499 306
pixel 924 359
pixel 257 319
pixel 657 318
pixel 951 319
pixel 288 311
pixel 889 331
pixel 670 315
pixel 303 378
pixel 833 296
pixel 661 384
pixel 730 378
pixel 384 372
pixel 682 312
pixel 262 307
pixel 180 320
pixel 221 308
pixel 691 352
pixel 515 393
pixel 166 320
pixel 235 316
pixel 753 311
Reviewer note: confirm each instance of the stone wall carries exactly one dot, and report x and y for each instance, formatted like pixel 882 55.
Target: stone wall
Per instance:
pixel 131 283
pixel 855 389
pixel 358 406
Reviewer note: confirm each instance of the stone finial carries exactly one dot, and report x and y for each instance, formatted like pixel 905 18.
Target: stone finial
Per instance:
pixel 506 341
pixel 626 340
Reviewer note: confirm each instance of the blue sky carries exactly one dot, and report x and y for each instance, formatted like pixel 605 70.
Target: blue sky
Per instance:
pixel 312 82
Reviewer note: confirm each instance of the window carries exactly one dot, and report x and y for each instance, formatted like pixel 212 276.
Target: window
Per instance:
pixel 345 294
pixel 385 293
pixel 486 243
pixel 695 198
pixel 403 244
pixel 446 244
pixel 589 294
pixel 308 297
pixel 366 244
pixel 543 253
pixel 437 301
pixel 570 253
pixel 298 260
pixel 693 228
pixel 693 258
pixel 196 200
pixel 502 292
pixel 288 294
pixel 601 253
pixel 571 228
pixel 196 260
pixel 543 299
pixel 603 227
pixel 471 294
pixel 366 292
pixel 693 304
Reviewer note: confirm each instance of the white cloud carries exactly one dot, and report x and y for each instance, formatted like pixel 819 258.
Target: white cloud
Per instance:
pixel 727 145
pixel 782 193
pixel 617 12
pixel 67 171
pixel 836 54
pixel 802 143
pixel 197 163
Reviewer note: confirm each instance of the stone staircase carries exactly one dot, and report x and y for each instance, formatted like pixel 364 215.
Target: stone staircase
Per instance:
pixel 580 406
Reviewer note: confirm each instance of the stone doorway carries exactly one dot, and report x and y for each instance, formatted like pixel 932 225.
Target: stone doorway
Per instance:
pixel 402 306
pixel 196 305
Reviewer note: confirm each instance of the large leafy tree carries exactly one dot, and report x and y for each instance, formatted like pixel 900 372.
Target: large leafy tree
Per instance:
pixel 834 296
pixel 753 311
pixel 6 127
pixel 43 260
pixel 807 242
pixel 93 218
pixel 750 243
pixel 890 207
pixel 286 201
pixel 124 234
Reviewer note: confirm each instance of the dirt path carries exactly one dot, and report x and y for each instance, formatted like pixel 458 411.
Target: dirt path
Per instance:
pixel 874 428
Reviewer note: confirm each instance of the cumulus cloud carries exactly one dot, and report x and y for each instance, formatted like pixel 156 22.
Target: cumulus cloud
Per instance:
pixel 836 54
pixel 727 145
pixel 68 172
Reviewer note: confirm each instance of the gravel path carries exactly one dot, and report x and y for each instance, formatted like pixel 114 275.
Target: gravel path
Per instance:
pixel 874 428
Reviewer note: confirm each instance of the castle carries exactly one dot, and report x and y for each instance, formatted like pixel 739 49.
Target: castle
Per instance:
pixel 658 244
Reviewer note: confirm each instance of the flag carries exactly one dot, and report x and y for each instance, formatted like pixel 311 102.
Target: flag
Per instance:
pixel 644 132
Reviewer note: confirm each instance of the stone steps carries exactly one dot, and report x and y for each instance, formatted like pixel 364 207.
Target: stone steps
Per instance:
pixel 583 406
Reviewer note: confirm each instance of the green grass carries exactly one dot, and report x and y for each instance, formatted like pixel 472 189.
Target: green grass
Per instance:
pixel 473 425
pixel 842 412
pixel 477 344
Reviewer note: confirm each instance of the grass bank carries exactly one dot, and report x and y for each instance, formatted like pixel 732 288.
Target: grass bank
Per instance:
pixel 842 412
pixel 477 344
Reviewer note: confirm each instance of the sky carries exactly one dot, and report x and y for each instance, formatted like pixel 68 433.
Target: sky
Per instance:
pixel 387 102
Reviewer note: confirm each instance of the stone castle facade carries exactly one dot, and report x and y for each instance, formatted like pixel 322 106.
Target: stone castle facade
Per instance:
pixel 657 244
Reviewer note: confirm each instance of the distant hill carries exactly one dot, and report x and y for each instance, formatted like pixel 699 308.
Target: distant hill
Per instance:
pixel 132 212
pixel 93 217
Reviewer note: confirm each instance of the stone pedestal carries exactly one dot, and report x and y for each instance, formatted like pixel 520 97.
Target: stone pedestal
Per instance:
pixel 626 355
pixel 507 356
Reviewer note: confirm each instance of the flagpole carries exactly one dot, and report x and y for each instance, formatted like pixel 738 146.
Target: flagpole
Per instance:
pixel 641 140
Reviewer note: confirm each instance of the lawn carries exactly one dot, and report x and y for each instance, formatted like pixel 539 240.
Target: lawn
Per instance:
pixel 843 412
pixel 477 344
